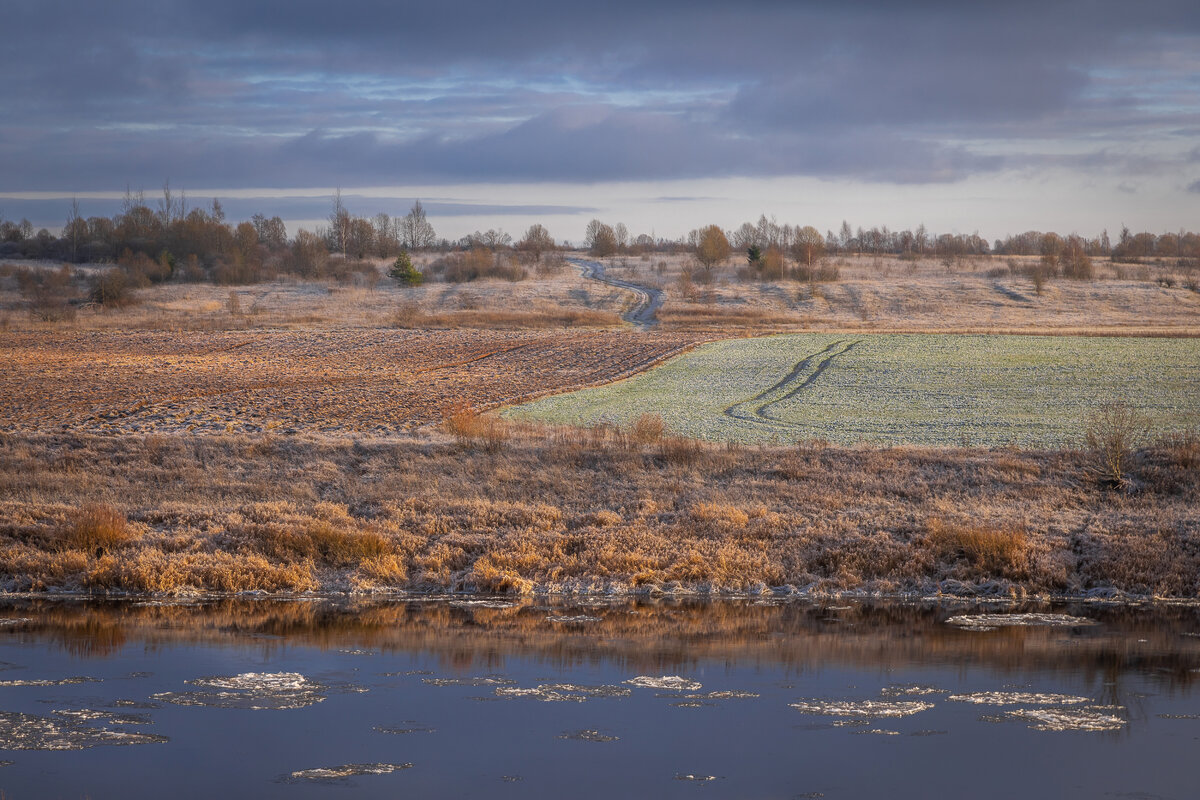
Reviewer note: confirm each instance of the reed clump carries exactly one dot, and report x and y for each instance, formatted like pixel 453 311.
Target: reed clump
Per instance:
pixel 96 527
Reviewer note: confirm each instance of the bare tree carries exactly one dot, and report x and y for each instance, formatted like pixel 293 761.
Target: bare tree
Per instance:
pixel 339 223
pixel 415 230
pixel 711 247
pixel 537 241
pixel 809 245
pixel 601 239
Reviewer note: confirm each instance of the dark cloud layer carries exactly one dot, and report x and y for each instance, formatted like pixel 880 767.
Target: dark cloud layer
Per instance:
pixel 375 92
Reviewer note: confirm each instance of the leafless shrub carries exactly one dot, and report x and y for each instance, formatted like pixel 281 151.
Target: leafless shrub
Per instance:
pixel 1113 431
pixel 409 315
pixel 234 305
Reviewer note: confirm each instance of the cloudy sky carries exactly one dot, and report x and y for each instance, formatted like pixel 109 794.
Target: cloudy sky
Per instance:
pixel 1072 115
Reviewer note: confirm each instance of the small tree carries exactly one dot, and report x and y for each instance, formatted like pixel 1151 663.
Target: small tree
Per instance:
pixel 712 247
pixel 404 272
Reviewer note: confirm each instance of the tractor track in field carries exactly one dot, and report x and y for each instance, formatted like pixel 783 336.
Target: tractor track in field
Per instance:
pixel 757 409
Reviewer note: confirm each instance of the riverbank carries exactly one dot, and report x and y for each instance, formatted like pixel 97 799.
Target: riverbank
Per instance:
pixel 589 512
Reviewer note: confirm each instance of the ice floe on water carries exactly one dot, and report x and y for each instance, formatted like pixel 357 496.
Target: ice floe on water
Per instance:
pixel 987 622
pixel 718 695
pixel 1018 699
pixel 345 771
pixel 862 708
pixel 876 732
pixel 409 726
pixel 563 692
pixel 49 682
pixel 588 736
pixel 482 604
pixel 88 715
pixel 1089 718
pixel 910 690
pixel 578 619
pixel 699 778
pixel 258 691
pixel 671 682
pixel 484 680
pixel 65 730
pixel 1178 716
pixel 693 704
pixel 7 622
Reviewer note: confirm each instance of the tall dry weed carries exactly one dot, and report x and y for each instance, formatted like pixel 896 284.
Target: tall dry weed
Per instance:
pixel 96 527
pixel 991 552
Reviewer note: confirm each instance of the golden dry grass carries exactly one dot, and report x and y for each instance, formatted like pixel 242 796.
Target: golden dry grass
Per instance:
pixel 593 511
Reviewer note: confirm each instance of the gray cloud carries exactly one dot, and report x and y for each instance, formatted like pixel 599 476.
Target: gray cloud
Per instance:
pixel 373 92
pixel 1194 187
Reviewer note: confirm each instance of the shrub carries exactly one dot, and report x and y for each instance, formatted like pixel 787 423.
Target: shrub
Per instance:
pixel 404 272
pixel 111 289
pixel 1113 430
pixel 409 315
pixel 96 528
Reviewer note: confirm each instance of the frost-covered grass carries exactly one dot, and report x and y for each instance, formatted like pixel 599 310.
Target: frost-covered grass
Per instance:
pixel 938 390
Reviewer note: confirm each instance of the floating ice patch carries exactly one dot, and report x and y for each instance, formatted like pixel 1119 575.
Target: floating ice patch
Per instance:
pixel 409 727
pixel 1178 716
pixel 1091 718
pixel 259 691
pixel 7 622
pixel 672 682
pixel 862 708
pixel 563 692
pixel 482 604
pixel 87 715
pixel 928 733
pixel 357 652
pixel 133 704
pixel 911 690
pixel 6 763
pixel 876 732
pixel 719 695
pixel 323 774
pixel 578 619
pixel 700 778
pixel 987 622
pixel 692 704
pixel 487 680
pixel 60 732
pixel 588 736
pixel 1018 699
pixel 46 682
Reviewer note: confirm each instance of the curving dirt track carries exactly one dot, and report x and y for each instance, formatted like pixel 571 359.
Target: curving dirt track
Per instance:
pixel 644 313
pixel 331 381
pixel 759 407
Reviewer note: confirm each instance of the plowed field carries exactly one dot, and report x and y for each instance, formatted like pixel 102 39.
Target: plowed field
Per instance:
pixel 377 381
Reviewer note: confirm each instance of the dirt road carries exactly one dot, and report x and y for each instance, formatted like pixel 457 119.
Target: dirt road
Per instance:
pixel 644 312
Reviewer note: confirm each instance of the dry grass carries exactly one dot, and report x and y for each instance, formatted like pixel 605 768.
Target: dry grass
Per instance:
pixel 468 426
pixel 96 528
pixel 593 511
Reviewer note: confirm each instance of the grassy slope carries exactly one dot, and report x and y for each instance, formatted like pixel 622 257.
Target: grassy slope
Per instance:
pixel 585 511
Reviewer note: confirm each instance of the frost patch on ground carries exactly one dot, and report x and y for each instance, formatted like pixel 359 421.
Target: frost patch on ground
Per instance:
pixel 575 620
pixel 1018 699
pixel 259 691
pixel 862 708
pixel 1091 718
pixel 988 622
pixel 45 682
pixel 588 736
pixel 671 682
pixel 64 731
pixel 563 692
pixel 345 771
pixel 487 680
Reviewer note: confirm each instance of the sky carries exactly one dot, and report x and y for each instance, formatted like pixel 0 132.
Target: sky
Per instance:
pixel 989 117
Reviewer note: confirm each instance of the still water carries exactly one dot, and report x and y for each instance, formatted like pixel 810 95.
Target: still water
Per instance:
pixel 494 698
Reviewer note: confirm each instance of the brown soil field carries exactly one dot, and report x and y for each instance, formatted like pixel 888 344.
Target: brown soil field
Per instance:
pixel 589 511
pixel 377 381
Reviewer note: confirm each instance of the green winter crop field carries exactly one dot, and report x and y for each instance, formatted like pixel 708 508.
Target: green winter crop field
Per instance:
pixel 946 390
